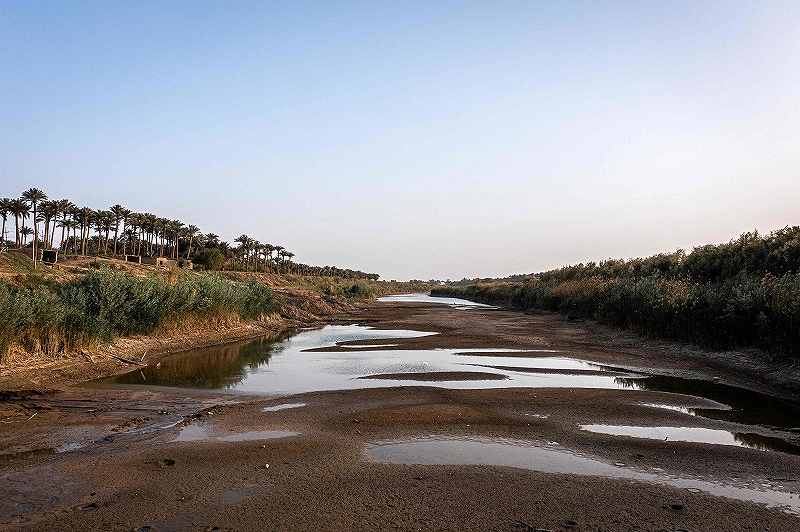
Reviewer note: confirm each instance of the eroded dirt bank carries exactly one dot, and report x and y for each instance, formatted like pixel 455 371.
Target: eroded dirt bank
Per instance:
pixel 108 458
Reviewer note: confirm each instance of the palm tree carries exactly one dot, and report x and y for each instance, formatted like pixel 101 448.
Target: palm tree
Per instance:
pixel 108 223
pixel 5 210
pixel 191 231
pixel 225 248
pixel 278 255
pixel 150 230
pixel 162 226
pixel 84 215
pixel 289 255
pixel 268 249
pixel 19 209
pixel 175 228
pixel 48 210
pixel 98 220
pixel 65 208
pixel 244 244
pixel 135 221
pixel 73 225
pixel 34 196
pixel 118 213
pixel 253 251
pixel 26 232
pixel 212 240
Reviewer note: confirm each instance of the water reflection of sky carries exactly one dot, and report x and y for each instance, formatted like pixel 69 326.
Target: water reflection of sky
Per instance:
pixel 297 365
pixel 697 435
pixel 426 298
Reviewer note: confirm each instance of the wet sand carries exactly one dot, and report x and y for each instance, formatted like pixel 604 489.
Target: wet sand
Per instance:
pixel 120 467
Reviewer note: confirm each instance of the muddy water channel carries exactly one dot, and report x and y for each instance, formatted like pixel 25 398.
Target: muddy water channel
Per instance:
pixel 347 357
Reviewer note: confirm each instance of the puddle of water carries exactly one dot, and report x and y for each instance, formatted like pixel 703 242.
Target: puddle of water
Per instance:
pixel 284 406
pixel 525 353
pixel 526 455
pixel 696 435
pixel 232 496
pixel 258 435
pixel 200 432
pixel 367 346
pixel 688 434
pixel 675 408
pixel 427 298
pixel 68 447
pixel 439 376
pixel 302 363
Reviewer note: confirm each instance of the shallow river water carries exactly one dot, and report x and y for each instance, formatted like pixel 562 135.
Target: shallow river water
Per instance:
pixel 313 360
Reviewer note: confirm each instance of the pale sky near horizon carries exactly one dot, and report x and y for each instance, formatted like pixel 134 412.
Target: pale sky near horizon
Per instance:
pixel 414 139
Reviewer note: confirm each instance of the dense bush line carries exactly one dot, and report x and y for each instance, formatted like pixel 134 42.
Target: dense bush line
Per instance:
pixel 51 318
pixel 739 294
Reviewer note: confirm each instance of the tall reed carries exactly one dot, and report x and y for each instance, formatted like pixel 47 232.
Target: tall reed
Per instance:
pixel 49 318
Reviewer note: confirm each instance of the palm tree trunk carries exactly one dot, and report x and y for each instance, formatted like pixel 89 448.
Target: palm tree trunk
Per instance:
pixel 83 237
pixel 35 235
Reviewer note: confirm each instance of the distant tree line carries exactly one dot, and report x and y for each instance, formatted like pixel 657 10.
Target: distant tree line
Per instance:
pixel 743 293
pixel 119 231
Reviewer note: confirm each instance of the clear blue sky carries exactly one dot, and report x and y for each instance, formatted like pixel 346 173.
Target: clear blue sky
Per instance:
pixel 414 139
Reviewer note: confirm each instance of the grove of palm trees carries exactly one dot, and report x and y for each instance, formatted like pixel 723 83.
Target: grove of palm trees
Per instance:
pixel 92 294
pixel 61 225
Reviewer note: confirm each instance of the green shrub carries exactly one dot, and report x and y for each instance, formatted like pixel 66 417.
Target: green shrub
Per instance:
pixel 358 290
pixel 745 293
pixel 210 259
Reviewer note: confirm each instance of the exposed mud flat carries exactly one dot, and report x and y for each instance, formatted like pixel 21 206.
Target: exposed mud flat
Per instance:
pixel 333 463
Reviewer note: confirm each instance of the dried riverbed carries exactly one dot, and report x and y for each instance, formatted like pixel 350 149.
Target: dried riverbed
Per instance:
pixel 416 415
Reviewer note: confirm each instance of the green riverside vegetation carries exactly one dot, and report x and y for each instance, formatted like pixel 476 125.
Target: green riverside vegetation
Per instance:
pixel 46 317
pixel 744 293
